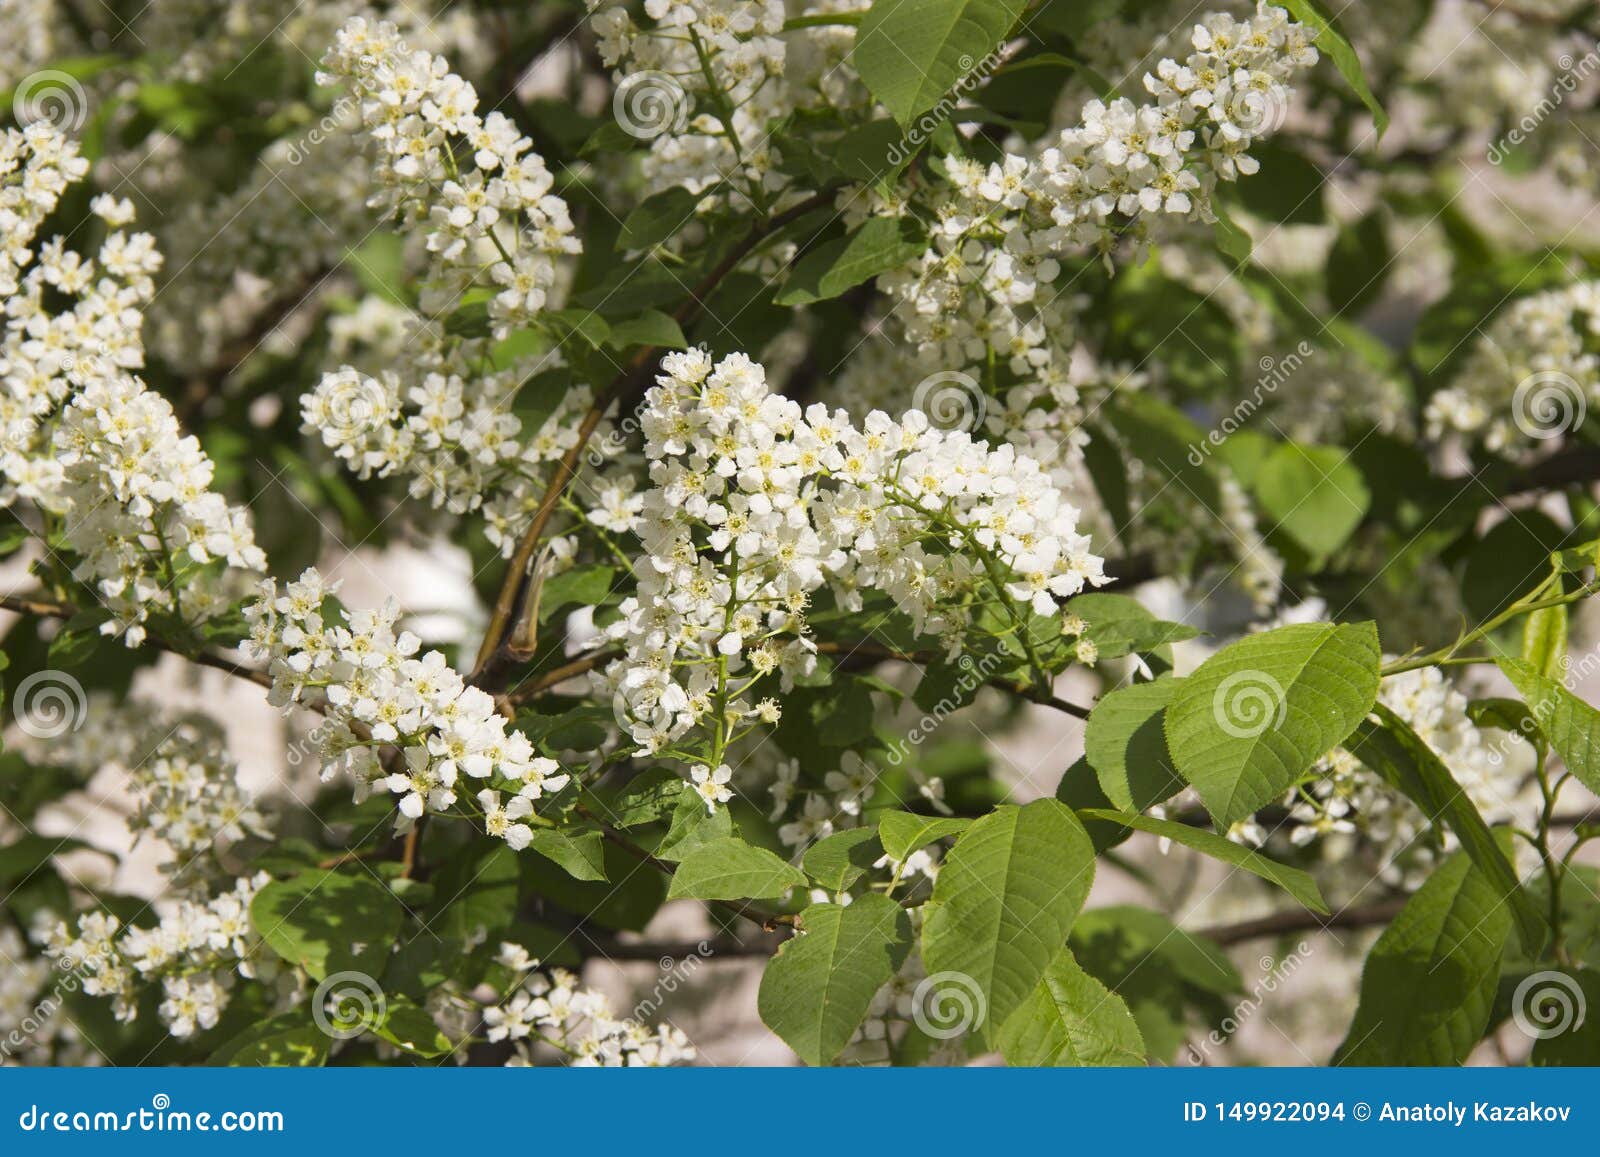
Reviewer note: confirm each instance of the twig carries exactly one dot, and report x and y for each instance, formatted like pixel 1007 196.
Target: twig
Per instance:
pixel 38 608
pixel 498 645
pixel 1302 920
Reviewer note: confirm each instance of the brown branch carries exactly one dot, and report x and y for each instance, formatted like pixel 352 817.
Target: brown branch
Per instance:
pixel 24 605
pixel 1302 920
pixel 499 646
pixel 668 952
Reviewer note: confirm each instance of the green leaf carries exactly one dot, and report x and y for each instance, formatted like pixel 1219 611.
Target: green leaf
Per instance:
pixel 837 861
pixel 647 797
pixel 882 244
pixel 876 151
pixel 1571 725
pixel 1561 1009
pixel 1447 329
pixel 1158 969
pixel 1314 494
pixel 1287 190
pixel 911 52
pixel 1005 900
pixel 1166 439
pixel 1125 744
pixel 651 328
pixel 328 922
pixel 77 640
pixel 582 854
pixel 1256 715
pixel 1399 755
pixel 1507 562
pixel 1120 625
pixel 1332 43
pixel 1233 242
pixel 818 988
pixel 903 833
pixel 730 869
pixel 290 1040
pixel 1358 262
pixel 691 826
pixel 1298 884
pixel 657 218
pixel 586 325
pixel 583 586
pixel 1429 982
pixel 408 1027
pixel 1071 1019
pixel 1544 641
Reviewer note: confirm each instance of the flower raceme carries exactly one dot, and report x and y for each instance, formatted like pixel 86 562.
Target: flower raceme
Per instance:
pixel 471 181
pixel 381 697
pixel 756 504
pixel 102 458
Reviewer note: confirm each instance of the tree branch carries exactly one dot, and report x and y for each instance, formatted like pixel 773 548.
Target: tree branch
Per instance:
pixel 1302 920
pixel 24 605
pixel 500 648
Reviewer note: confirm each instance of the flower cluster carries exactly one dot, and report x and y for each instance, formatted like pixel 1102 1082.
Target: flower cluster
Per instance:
pixel 471 181
pixel 380 696
pixel 182 777
pixel 453 431
pixel 1532 375
pixel 722 59
pixel 196 950
pixel 755 504
pixel 552 1006
pixel 983 284
pixel 101 456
